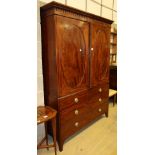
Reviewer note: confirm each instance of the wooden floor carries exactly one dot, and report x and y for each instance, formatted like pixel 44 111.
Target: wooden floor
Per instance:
pixel 99 138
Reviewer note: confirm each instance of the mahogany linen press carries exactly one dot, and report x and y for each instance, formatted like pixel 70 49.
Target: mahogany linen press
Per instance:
pixel 75 54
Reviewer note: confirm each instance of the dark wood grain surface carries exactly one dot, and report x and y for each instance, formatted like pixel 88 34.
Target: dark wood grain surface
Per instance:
pixel 75 51
pixel 72 54
pixel 100 36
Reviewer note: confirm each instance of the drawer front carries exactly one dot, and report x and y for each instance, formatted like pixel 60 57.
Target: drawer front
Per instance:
pixel 98 100
pixel 99 95
pixel 73 119
pixel 74 113
pixel 78 110
pixel 98 110
pixel 76 100
pixel 100 90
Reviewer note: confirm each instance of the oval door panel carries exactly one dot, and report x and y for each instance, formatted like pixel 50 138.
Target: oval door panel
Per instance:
pixel 101 58
pixel 73 55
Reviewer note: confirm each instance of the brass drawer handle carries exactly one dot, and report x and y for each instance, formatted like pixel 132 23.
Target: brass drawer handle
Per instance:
pixel 76 100
pixel 76 124
pixel 100 100
pixel 76 112
pixel 99 109
pixel 100 90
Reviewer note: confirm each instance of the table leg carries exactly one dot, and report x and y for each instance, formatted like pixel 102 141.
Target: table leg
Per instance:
pixel 54 133
pixel 46 134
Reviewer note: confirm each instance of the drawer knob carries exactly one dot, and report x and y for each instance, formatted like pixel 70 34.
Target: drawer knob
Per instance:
pixel 100 90
pixel 100 100
pixel 76 112
pixel 76 124
pixel 99 109
pixel 92 49
pixel 76 100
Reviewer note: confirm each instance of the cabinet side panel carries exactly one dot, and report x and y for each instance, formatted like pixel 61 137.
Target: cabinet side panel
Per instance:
pixel 49 61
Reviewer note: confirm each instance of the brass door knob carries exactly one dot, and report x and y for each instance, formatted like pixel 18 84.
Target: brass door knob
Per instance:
pixel 76 124
pixel 76 100
pixel 100 89
pixel 76 112
pixel 100 100
pixel 99 109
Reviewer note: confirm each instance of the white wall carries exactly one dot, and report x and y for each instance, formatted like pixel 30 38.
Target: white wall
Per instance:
pixel 103 8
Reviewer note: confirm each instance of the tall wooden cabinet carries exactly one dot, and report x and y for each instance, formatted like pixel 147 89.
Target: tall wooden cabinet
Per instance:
pixel 75 51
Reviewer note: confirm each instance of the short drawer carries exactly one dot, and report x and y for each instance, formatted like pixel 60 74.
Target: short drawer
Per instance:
pixel 98 110
pixel 76 100
pixel 97 99
pixel 98 95
pixel 100 90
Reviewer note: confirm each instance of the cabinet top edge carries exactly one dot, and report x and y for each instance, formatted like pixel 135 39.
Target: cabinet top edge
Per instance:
pixel 54 4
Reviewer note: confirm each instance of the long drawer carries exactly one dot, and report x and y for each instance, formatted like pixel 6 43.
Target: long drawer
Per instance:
pixel 74 118
pixel 74 113
pixel 73 100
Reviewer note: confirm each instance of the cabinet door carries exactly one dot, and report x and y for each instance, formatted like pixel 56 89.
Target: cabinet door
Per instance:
pixel 100 43
pixel 72 54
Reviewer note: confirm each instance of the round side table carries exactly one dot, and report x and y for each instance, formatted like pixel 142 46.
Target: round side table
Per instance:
pixel 44 114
